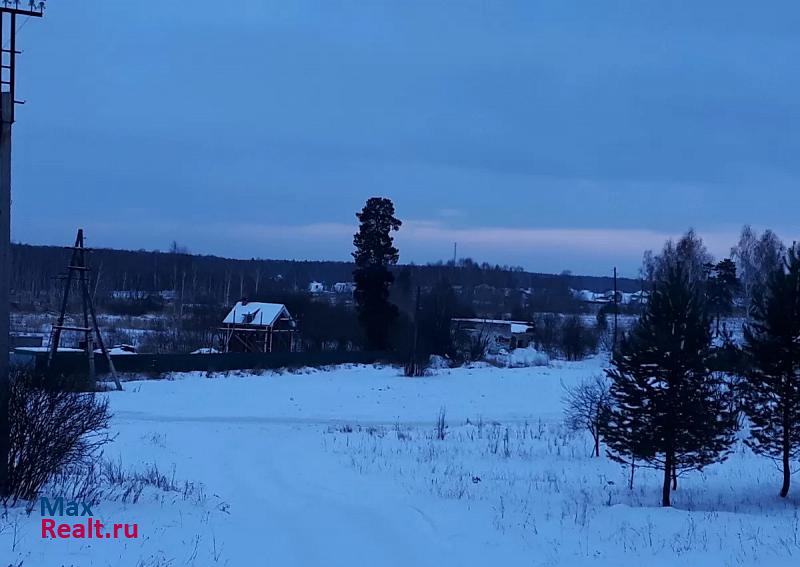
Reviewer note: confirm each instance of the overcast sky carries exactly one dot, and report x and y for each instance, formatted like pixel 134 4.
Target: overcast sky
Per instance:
pixel 553 135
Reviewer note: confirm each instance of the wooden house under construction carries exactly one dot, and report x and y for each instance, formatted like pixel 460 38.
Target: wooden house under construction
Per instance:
pixel 258 327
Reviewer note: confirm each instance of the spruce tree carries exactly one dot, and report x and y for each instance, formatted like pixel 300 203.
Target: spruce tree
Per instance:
pixel 772 386
pixel 374 254
pixel 668 411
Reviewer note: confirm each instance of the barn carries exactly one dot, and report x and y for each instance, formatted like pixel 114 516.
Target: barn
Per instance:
pixel 252 326
pixel 498 334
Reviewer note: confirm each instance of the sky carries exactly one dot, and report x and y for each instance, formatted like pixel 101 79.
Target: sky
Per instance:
pixel 553 135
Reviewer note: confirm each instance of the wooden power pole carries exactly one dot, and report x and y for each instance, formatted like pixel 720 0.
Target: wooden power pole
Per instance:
pixel 9 11
pixel 616 311
pixel 78 272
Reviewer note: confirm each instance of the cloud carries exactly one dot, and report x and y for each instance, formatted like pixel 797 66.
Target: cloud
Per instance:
pixel 584 250
pixel 309 232
pixel 568 239
pixel 451 213
pixel 523 129
pixel 436 233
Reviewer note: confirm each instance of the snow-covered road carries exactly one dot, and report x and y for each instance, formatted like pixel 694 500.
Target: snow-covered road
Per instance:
pixel 258 442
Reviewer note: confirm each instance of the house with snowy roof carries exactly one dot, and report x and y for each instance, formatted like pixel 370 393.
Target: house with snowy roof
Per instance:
pixel 253 326
pixel 315 288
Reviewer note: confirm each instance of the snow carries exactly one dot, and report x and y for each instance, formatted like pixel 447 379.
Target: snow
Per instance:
pixel 115 351
pixel 255 313
pixel 341 466
pixel 23 350
pixel 625 298
pixel 520 327
pixel 585 294
pixel 520 358
pixel 118 350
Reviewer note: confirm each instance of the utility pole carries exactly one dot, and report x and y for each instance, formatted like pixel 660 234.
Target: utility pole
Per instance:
pixel 616 310
pixel 9 10
pixel 77 271
pixel 415 362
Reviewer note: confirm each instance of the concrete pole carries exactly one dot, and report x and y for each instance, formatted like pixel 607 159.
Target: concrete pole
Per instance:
pixel 5 269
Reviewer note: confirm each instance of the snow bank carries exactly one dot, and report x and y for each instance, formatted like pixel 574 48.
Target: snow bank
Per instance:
pixel 520 358
pixel 438 362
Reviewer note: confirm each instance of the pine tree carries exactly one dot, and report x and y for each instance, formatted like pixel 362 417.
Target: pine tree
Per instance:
pixel 668 411
pixel 772 387
pixel 374 254
pixel 721 287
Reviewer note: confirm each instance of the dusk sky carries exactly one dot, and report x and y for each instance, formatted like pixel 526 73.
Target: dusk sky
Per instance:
pixel 552 135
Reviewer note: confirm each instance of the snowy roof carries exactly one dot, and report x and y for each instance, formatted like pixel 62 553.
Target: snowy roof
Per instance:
pixel 255 313
pixel 24 350
pixel 584 294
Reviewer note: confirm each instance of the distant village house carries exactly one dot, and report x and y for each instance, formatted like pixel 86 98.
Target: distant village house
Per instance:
pixel 316 287
pixel 344 287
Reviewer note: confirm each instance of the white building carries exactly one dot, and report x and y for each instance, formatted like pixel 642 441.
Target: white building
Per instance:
pixel 344 287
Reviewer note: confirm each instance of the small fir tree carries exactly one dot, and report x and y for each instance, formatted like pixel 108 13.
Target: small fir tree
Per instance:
pixel 668 410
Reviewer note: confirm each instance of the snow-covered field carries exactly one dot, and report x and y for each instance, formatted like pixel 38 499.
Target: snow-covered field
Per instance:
pixel 344 466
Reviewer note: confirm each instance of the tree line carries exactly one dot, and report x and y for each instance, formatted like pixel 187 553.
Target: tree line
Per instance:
pixel 212 280
pixel 678 390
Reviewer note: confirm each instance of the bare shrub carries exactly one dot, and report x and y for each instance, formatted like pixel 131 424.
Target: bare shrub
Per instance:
pixel 587 404
pixel 472 347
pixel 605 340
pixel 54 432
pixel 417 365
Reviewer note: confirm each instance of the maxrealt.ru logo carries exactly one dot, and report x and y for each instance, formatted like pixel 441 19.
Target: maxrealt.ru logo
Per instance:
pixel 88 528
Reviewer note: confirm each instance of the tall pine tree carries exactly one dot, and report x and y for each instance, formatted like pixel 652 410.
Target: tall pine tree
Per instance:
pixel 772 386
pixel 668 411
pixel 374 254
